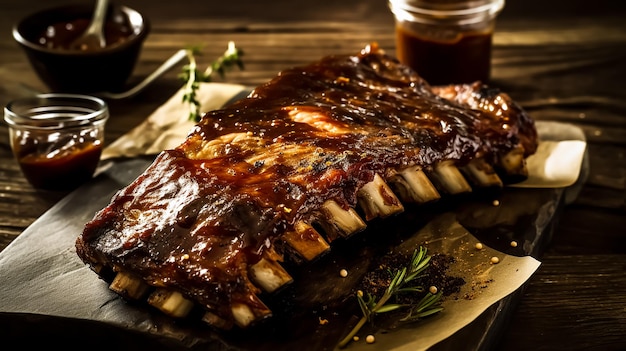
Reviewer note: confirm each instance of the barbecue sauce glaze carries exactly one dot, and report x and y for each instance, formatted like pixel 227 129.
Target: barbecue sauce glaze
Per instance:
pixel 206 210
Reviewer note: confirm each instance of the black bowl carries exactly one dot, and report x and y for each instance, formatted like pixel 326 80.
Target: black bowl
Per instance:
pixel 82 71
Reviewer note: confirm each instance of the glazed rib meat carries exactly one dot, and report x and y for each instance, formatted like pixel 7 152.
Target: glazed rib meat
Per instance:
pixel 309 157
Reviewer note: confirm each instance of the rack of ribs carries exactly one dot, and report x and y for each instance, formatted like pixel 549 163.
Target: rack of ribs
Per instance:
pixel 308 158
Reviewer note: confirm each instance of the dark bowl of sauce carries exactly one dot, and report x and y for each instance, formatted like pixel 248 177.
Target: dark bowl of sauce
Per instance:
pixel 57 139
pixel 45 37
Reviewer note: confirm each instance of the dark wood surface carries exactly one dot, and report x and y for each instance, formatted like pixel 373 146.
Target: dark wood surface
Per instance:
pixel 563 60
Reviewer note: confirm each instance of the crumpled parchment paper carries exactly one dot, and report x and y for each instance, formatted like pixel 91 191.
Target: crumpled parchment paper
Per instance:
pixel 169 124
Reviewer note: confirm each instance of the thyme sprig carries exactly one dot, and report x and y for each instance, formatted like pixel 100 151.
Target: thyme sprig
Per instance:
pixel 404 281
pixel 192 76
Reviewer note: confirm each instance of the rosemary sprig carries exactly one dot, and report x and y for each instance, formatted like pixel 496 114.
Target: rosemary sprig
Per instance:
pixel 401 283
pixel 192 76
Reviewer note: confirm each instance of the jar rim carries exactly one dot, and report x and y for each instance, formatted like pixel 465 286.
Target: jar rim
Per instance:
pixel 461 12
pixel 55 111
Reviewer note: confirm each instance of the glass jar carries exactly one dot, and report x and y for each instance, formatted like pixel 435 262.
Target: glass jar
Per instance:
pixel 57 138
pixel 446 41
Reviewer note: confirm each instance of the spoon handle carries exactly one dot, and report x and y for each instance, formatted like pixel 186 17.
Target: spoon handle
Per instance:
pixel 99 17
pixel 165 66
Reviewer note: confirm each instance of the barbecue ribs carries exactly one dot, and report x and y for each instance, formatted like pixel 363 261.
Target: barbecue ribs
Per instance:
pixel 307 158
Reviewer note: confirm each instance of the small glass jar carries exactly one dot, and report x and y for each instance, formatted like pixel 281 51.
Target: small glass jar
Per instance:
pixel 57 139
pixel 446 41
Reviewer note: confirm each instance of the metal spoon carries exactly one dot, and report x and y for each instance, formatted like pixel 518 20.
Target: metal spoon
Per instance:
pixel 93 37
pixel 165 66
pixel 176 58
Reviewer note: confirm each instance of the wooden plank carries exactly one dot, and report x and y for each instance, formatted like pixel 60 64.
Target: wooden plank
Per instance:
pixel 584 293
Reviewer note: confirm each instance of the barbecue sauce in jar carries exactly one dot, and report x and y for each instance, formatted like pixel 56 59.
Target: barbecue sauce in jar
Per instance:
pixel 61 169
pixel 446 41
pixel 464 59
pixel 57 138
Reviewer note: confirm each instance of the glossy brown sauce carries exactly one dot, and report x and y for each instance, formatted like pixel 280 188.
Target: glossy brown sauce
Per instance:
pixel 463 60
pixel 60 35
pixel 201 221
pixel 65 170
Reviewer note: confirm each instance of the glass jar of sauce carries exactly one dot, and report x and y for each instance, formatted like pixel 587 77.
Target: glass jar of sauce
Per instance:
pixel 57 138
pixel 446 41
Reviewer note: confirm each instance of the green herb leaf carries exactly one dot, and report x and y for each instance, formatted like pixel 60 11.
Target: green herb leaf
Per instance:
pixel 428 305
pixel 192 76
pixel 412 289
pixel 388 308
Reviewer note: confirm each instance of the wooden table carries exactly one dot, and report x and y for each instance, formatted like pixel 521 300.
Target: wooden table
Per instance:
pixel 563 60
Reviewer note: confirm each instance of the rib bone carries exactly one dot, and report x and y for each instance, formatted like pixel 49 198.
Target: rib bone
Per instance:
pixel 306 241
pixel 482 174
pixel 377 200
pixel 170 302
pixel 216 321
pixel 129 286
pixel 513 162
pixel 412 185
pixel 245 314
pixel 269 275
pixel 338 221
pixel 449 178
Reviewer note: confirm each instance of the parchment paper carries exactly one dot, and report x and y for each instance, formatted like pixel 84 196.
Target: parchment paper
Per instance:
pixel 486 283
pixel 169 124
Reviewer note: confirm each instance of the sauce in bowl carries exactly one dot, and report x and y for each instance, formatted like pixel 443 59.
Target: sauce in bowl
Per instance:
pixel 59 35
